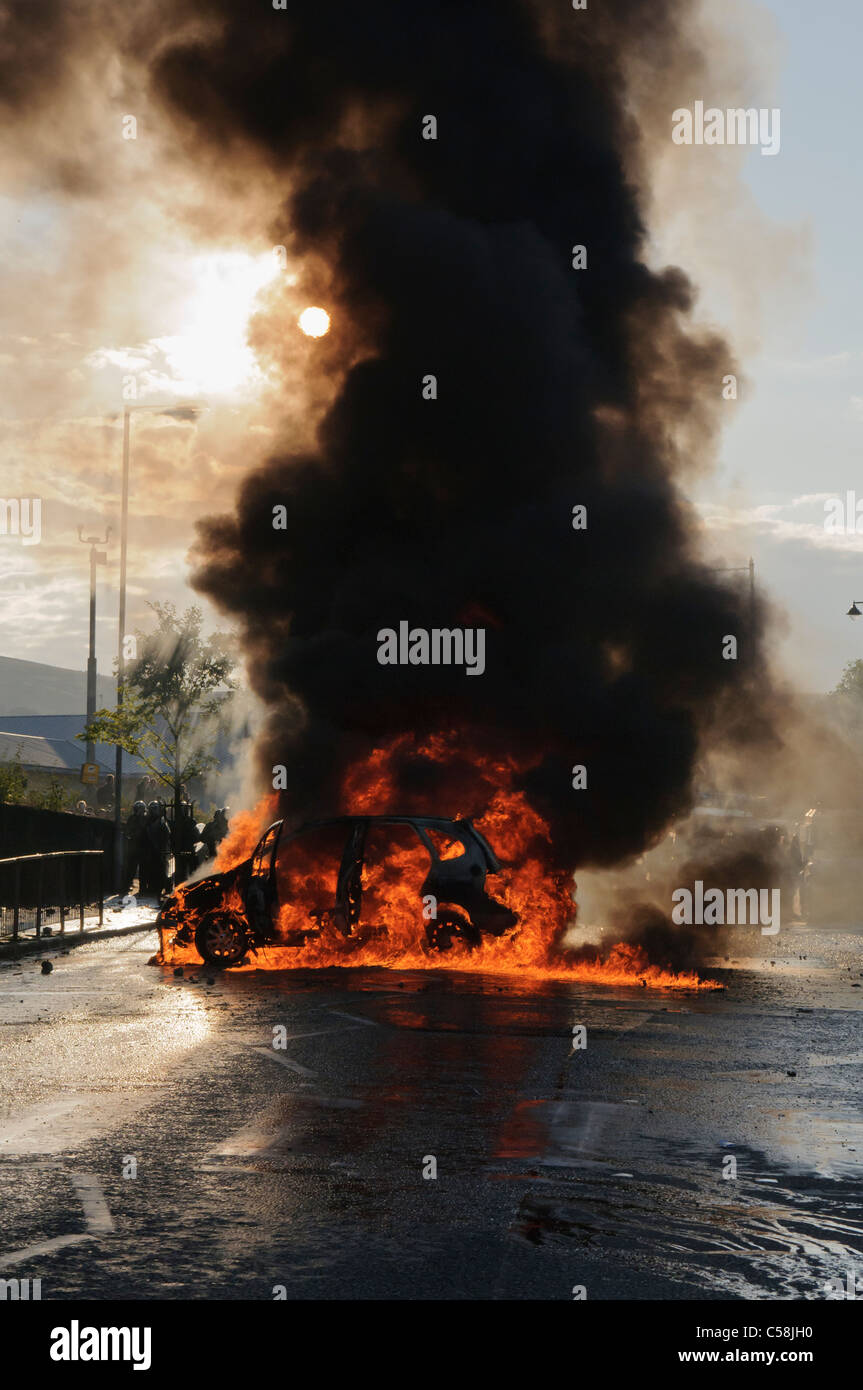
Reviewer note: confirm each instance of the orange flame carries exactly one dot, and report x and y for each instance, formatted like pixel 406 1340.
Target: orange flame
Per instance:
pixel 244 832
pixel 392 928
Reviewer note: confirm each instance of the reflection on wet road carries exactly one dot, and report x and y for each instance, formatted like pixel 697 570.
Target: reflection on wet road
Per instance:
pixel 377 1134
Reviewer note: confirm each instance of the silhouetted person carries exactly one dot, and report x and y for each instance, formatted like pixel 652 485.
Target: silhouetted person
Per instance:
pixel 105 794
pixel 134 836
pixel 156 846
pixel 214 832
pixel 185 839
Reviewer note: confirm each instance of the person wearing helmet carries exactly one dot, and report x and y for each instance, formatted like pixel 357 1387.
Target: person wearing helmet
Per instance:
pixel 185 839
pixel 133 834
pixel 215 831
pixel 155 849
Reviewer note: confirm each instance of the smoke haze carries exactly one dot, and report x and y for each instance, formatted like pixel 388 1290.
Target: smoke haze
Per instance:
pixel 556 387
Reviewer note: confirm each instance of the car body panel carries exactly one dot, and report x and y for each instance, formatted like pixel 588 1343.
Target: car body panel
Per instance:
pixel 460 859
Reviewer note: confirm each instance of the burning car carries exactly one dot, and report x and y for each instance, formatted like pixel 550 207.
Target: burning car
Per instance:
pixel 343 874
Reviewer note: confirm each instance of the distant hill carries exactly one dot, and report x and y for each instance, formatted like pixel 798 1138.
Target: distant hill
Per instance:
pixel 30 687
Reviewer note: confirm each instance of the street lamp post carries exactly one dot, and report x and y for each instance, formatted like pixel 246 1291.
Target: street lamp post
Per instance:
pixel 97 557
pixel 744 569
pixel 188 411
pixel 121 638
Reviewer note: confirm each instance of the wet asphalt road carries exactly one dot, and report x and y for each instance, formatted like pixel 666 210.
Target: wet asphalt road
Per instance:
pixel 155 1145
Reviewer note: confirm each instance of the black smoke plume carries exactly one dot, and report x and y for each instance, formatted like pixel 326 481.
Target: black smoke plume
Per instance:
pixel 556 387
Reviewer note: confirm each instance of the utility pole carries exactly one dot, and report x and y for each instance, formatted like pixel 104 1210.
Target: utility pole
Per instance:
pixel 121 671
pixel 185 411
pixel 750 570
pixel 752 593
pixel 97 557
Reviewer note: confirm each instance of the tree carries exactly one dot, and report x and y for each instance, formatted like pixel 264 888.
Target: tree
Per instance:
pixel 13 780
pixel 851 681
pixel 846 698
pixel 56 798
pixel 174 696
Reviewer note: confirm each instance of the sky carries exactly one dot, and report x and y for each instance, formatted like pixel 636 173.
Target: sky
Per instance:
pixel 798 435
pixel 121 264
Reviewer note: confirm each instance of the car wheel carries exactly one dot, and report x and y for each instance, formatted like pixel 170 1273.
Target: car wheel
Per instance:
pixel 220 939
pixel 451 926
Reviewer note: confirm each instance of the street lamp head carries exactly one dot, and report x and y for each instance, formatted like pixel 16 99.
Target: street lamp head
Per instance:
pixel 94 540
pixel 179 410
pixel 854 611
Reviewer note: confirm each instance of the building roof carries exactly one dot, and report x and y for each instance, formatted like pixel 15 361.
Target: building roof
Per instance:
pixel 47 743
pixel 33 687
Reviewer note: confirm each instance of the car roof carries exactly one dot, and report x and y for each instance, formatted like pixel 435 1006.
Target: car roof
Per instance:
pixel 463 827
pixel 441 822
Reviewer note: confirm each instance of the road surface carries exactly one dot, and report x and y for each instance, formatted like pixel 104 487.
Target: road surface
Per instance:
pixel 431 1135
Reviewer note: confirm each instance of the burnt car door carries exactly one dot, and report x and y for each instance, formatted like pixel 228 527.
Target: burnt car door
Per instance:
pixel 260 890
pixel 460 860
pixel 349 888
pixel 394 863
pixel 312 879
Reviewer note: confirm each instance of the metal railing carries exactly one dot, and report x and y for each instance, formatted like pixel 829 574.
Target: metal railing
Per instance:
pixel 80 899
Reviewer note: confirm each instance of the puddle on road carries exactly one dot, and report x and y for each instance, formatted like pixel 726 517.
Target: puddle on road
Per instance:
pixel 830 1147
pixel 789 1222
pixel 777 1242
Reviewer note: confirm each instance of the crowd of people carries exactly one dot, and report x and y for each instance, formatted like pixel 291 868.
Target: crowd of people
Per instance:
pixel 154 837
pixel 104 800
pixel 151 842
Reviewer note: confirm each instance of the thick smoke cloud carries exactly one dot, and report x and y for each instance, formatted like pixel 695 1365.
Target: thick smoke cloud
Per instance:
pixel 35 41
pixel 556 387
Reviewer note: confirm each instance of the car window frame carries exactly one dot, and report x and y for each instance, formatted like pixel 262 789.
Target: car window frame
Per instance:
pixel 266 872
pixel 348 827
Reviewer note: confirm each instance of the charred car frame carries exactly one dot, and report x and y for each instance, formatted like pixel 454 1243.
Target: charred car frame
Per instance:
pixel 228 914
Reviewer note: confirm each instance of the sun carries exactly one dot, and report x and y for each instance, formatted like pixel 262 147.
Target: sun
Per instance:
pixel 212 299
pixel 210 352
pixel 314 322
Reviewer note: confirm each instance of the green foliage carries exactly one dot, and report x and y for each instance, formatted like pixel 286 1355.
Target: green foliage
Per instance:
pixel 851 681
pixel 13 780
pixel 175 695
pixel 846 701
pixel 54 799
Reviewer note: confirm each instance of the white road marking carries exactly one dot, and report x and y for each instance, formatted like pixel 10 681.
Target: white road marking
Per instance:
pixel 27 1126
pixel 355 1018
pixel 318 1033
pixel 45 1247
pixel 259 1138
pixel 251 1139
pixel 588 1130
pixel 96 1214
pixel 275 1056
pixel 52 1126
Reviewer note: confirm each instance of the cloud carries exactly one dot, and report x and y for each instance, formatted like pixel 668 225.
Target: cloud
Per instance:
pixel 832 364
pixel 769 520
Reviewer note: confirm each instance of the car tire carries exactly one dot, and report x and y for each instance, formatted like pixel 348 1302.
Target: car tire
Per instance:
pixel 449 926
pixel 221 939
